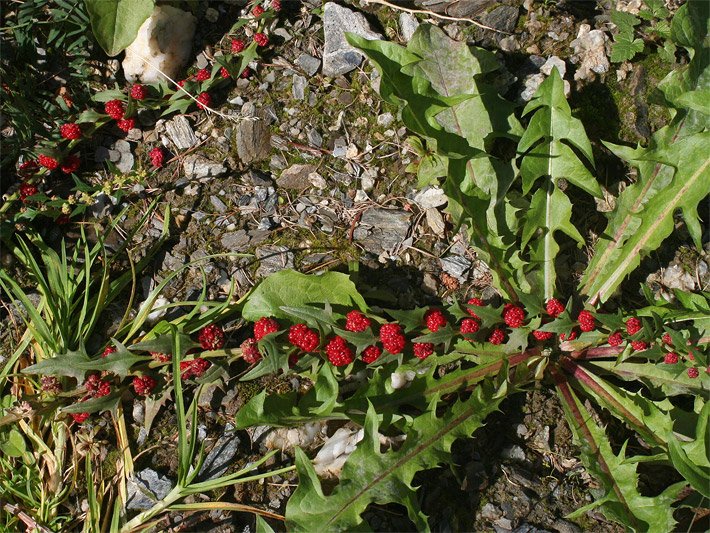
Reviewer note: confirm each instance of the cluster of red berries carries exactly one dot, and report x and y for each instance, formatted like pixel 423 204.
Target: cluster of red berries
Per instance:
pixel 303 337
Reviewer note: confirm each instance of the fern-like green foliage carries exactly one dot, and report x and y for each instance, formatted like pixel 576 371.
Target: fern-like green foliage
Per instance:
pixel 674 170
pixel 437 83
pixel 549 145
pixel 622 500
pixel 372 476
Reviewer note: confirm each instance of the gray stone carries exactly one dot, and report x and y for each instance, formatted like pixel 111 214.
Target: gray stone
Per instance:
pixel 589 53
pixel 296 177
pixel 382 230
pixel 338 56
pixel 221 456
pixel 299 87
pixel 198 167
pixel 252 135
pixel 513 453
pixel 146 488
pixel 180 132
pixel 385 119
pixel 490 512
pixel 408 24
pixel 218 204
pixel 308 63
pixel 456 266
pixel 503 18
pixel 273 259
pixel 314 138
pixel 430 197
pixel 563 526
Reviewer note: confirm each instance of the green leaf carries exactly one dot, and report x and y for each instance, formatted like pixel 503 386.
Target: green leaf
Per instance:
pixel 289 288
pixel 12 443
pixel 625 49
pixel 370 476
pixel 698 100
pixel 115 23
pixel 262 526
pixel 672 176
pixel 692 459
pixel 625 22
pixel 94 405
pixel 275 358
pixel 548 146
pixel 622 501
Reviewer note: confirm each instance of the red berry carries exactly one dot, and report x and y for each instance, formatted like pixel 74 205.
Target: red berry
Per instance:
pixel 435 319
pixel 181 83
pixel 667 339
pixel 571 337
pixel 670 358
pixel 143 385
pixel 586 321
pixel 639 346
pixel 392 338
pixel 139 92
pixel 469 326
pixel 276 5
pixel 161 357
pixel 542 335
pixel 513 315
pixel 422 350
pixel 691 357
pixel 371 354
pixel 28 168
pixel 157 157
pixel 303 337
pixel 257 11
pixel 250 351
pixel 356 321
pixel 338 352
pixel 47 162
pixel 554 307
pixel 615 339
pixel 203 100
pixel 115 109
pixel 245 73
pixel 237 46
pixel 497 336
pixel 96 386
pixel 261 39
pixel 27 189
pixel 211 337
pixel 633 325
pixel 693 372
pixel 264 326
pixel 108 351
pixel 126 124
pixel 478 303
pixel 79 418
pixel 224 73
pixel 196 367
pixel 70 131
pixel 203 75
pixel 71 164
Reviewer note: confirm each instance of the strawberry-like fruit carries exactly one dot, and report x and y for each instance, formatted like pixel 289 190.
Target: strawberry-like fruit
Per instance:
pixel 585 319
pixel 115 109
pixel 422 350
pixel 143 385
pixel 250 351
pixel 47 162
pixel 261 39
pixel 497 336
pixel 211 337
pixel 513 315
pixel 633 325
pixel 435 319
pixel 542 335
pixel 478 303
pixel 139 92
pixel 615 339
pixel 204 100
pixel 670 358
pixel 356 321
pixel 469 326
pixel 371 354
pixel 71 164
pixel 70 131
pixel 264 326
pixel 392 338
pixel 301 336
pixel 554 307
pixel 338 352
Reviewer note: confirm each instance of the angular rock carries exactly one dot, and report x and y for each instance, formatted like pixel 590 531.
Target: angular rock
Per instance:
pixel 589 53
pixel 198 167
pixel 235 240
pixel 382 230
pixel 273 259
pixel 308 63
pixel 296 177
pixel 338 56
pixel 180 132
pixel 252 135
pixel 456 266
pixel 165 41
pixel 220 457
pixel 430 197
pixel 146 488
pixel 299 87
pixel 408 24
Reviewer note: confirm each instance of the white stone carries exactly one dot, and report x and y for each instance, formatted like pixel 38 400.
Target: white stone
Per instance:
pixel 589 53
pixel 338 56
pixel 163 43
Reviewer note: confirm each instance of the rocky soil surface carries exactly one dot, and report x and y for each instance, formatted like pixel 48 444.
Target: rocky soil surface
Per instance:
pixel 305 167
